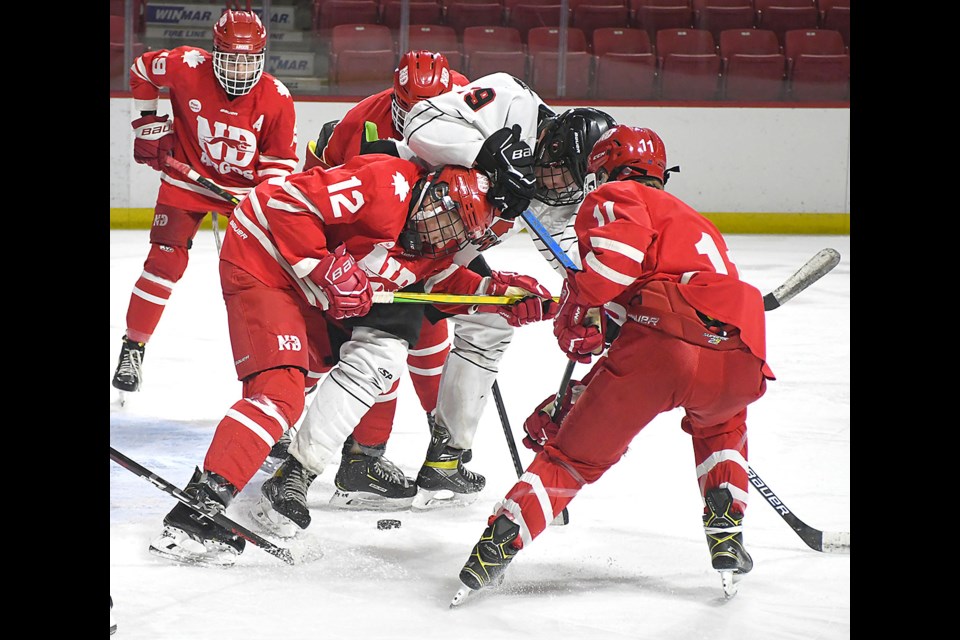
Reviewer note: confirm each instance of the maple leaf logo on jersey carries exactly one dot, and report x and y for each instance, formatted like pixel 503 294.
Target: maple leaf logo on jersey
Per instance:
pixel 193 58
pixel 400 186
pixel 281 88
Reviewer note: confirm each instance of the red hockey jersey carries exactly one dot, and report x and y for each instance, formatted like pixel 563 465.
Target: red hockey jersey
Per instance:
pixel 344 143
pixel 286 225
pixel 235 143
pixel 637 242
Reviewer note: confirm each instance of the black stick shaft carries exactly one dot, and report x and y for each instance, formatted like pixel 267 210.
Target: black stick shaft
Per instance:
pixel 237 529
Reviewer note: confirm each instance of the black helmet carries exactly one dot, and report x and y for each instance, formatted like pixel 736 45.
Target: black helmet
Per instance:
pixel 561 155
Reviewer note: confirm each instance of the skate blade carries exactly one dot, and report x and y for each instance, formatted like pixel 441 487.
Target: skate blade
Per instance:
pixel 729 581
pixel 185 550
pixel 273 522
pixel 460 596
pixel 365 501
pixel 442 499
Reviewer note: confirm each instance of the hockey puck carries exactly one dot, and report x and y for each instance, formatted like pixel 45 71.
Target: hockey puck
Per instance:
pixel 388 524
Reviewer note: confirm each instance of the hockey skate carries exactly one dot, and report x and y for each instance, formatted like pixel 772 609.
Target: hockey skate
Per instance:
pixel 443 480
pixel 129 374
pixel 192 538
pixel 278 453
pixel 367 480
pixel 490 557
pixel 725 539
pixel 282 508
pixel 467 453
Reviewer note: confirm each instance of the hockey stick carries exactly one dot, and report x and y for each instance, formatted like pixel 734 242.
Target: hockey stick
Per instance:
pixel 825 541
pixel 191 173
pixel 564 516
pixel 444 298
pixel 136 468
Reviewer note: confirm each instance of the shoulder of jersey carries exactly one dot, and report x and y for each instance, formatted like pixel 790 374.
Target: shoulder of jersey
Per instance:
pixel 275 84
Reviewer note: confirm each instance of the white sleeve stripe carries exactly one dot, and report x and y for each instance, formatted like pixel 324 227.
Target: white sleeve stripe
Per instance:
pixel 296 194
pixel 305 267
pixel 311 291
pixel 616 246
pixel 594 263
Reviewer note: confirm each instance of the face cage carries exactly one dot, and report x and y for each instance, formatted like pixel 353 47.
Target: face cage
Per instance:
pixel 563 188
pixel 436 226
pixel 398 113
pixel 238 73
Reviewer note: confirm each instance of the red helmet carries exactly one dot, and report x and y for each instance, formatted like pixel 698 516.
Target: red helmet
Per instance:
pixel 420 75
pixel 239 42
pixel 451 211
pixel 627 151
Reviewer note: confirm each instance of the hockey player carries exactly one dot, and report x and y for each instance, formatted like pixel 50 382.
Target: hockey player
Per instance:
pixel 481 338
pixel 298 268
pixel 366 479
pixel 233 123
pixel 491 121
pixel 691 336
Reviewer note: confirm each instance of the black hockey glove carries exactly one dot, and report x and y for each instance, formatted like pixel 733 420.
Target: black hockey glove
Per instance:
pixel 508 162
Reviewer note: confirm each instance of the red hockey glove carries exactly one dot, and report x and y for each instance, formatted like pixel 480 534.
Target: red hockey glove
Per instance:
pixel 537 304
pixel 154 140
pixel 344 283
pixel 579 329
pixel 542 426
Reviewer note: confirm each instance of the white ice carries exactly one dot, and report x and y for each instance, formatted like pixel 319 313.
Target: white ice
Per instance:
pixel 633 561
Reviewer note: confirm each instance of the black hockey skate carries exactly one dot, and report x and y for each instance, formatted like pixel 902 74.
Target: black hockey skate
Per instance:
pixel 490 557
pixel 467 453
pixel 192 538
pixel 443 480
pixel 725 539
pixel 283 501
pixel 129 373
pixel 278 453
pixel 367 480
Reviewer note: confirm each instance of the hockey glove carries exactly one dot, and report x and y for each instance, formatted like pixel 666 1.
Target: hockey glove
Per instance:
pixel 579 329
pixel 346 286
pixel 153 140
pixel 543 425
pixel 508 162
pixel 537 305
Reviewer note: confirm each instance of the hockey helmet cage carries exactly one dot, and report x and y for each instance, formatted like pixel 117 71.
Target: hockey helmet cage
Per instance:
pixel 562 151
pixel 450 210
pixel 239 43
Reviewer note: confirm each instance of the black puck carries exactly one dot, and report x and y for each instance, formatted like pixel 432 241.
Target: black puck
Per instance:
pixel 388 524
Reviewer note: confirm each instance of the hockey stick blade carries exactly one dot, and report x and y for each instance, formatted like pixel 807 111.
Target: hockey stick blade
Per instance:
pixel 237 529
pixel 825 541
pixel 814 269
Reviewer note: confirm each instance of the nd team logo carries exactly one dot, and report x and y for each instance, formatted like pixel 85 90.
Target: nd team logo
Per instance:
pixel 227 148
